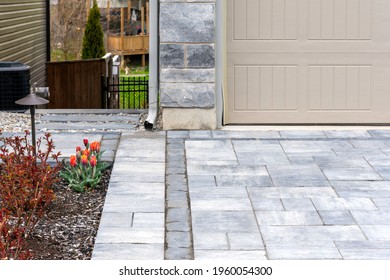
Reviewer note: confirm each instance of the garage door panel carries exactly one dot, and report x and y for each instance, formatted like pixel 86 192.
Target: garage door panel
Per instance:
pixel 264 20
pixel 340 87
pixel 308 61
pixel 265 87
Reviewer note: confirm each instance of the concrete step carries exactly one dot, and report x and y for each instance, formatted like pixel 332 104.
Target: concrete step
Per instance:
pixel 85 126
pixel 89 118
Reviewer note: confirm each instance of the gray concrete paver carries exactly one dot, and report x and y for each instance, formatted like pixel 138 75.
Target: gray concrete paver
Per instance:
pixel 364 250
pixel 288 218
pixel 289 234
pixel 302 204
pixel 256 195
pixel 377 232
pixel 230 255
pixel 337 217
pixel 319 250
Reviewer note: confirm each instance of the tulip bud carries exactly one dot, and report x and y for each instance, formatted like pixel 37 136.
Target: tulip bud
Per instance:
pixel 93 161
pixel 73 161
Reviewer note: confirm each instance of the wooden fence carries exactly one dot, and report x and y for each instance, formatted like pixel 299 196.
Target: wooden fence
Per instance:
pixel 76 84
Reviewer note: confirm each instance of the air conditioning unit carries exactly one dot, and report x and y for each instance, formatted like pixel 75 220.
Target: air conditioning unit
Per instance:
pixel 14 84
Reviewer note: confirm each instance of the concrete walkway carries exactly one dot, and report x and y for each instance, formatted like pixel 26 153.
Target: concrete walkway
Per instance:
pixel 248 195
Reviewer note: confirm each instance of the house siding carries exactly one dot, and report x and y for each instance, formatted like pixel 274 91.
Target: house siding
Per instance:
pixel 23 35
pixel 187 63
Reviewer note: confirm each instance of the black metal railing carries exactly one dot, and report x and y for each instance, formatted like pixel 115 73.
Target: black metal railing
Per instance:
pixel 128 92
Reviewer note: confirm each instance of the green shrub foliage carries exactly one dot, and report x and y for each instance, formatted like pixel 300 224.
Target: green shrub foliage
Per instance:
pixel 93 45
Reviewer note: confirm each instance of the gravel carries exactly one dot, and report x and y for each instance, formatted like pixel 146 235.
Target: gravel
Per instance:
pixel 16 122
pixel 19 122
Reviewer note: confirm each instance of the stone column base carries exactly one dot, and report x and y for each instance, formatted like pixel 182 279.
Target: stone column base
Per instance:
pixel 189 119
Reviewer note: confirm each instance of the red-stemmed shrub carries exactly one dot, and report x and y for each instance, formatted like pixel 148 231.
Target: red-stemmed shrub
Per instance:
pixel 26 180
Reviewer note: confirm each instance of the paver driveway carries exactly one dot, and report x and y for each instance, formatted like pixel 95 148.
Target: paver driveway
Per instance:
pixel 256 195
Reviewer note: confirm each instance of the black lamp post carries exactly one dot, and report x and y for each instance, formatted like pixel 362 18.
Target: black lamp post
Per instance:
pixel 32 100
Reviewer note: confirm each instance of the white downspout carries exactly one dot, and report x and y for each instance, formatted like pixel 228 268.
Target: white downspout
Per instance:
pixel 151 120
pixel 219 61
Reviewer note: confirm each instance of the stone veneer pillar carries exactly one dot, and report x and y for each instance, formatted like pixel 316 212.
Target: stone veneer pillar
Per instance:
pixel 187 64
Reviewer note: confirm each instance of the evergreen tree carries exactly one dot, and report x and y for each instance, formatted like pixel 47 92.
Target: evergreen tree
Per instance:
pixel 93 45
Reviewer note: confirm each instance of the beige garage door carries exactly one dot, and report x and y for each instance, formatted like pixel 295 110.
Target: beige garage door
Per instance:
pixel 308 61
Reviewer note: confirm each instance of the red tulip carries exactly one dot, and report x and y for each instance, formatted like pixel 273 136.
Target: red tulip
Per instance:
pixel 95 146
pixel 85 142
pixel 84 160
pixel 73 161
pixel 78 149
pixel 93 161
pixel 86 153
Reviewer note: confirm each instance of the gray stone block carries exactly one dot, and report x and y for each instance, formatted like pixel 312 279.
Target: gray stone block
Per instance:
pixel 266 204
pixel 129 235
pixel 347 134
pixel 383 171
pixel 171 56
pixel 303 251
pixel 377 232
pixel 200 56
pixel 297 176
pixel 245 241
pixel 178 239
pixel 229 255
pixel 330 204
pixel 187 22
pixel 179 254
pixel 302 134
pixel 372 217
pixel 364 250
pixel 380 133
pixel 211 241
pixel 134 203
pixel 187 95
pixel 128 251
pixel 220 204
pixel 291 234
pixel 362 189
pixel 340 162
pixel 288 218
pixel 292 192
pixel 223 221
pixel 302 204
pixel 340 217
pixel 207 192
pixel 244 180
pixel 201 134
pixel 177 134
pixel 177 215
pixel 177 199
pixel 187 76
pixel 383 203
pixel 113 219
pixel 201 181
pixel 354 174
pixel 178 226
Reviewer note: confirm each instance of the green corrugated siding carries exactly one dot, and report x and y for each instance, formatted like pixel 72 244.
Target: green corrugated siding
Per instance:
pixel 23 35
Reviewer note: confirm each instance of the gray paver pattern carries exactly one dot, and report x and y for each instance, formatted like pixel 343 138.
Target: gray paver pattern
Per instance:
pixel 248 195
pixel 290 194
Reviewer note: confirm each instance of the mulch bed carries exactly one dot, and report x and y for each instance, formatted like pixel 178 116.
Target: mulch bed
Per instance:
pixel 69 228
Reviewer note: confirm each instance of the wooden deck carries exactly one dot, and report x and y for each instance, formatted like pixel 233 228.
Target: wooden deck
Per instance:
pixel 128 45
